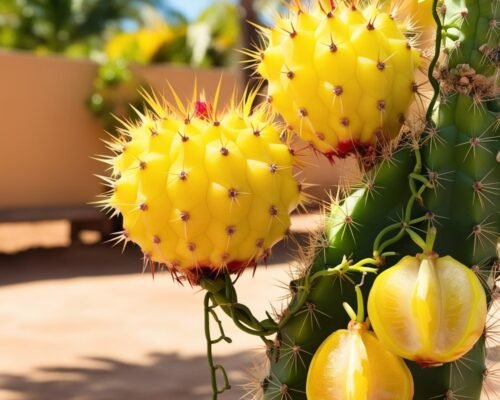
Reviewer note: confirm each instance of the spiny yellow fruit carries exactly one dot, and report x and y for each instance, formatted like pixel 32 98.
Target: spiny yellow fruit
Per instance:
pixel 427 309
pixel 202 192
pixel 351 364
pixel 341 74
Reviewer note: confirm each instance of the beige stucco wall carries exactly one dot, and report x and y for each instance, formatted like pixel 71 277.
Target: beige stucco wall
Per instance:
pixel 47 136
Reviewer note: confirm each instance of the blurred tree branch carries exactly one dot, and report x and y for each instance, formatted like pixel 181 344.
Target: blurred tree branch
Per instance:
pixel 249 35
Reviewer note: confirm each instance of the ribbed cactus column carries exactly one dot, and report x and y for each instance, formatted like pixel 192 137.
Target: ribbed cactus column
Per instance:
pixel 462 157
pixel 459 157
pixel 351 230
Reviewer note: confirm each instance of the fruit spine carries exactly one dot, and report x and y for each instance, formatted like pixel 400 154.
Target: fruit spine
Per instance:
pixel 449 178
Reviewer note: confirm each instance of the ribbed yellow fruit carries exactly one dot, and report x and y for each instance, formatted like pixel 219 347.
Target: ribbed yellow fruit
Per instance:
pixel 201 192
pixel 342 77
pixel 427 309
pixel 351 364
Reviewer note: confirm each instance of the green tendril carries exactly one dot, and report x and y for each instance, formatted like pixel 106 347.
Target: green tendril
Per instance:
pixel 209 312
pixel 432 65
pixel 402 227
pixel 221 293
pixel 422 179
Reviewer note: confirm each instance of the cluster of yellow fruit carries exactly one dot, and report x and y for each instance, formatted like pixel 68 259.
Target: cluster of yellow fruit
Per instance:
pixel 205 191
pixel 427 309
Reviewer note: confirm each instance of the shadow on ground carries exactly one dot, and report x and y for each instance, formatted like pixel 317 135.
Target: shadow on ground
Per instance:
pixel 166 377
pixel 89 260
pixel 68 262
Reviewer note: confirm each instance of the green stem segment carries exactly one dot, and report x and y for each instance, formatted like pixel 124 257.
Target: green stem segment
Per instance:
pixel 358 316
pixel 415 237
pixel 349 310
pixel 407 220
pixel 430 240
pixel 222 293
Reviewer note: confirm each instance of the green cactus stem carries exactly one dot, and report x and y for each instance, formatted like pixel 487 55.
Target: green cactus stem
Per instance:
pixel 446 179
pixel 451 180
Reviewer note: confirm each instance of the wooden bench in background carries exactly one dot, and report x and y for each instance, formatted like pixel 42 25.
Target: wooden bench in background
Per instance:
pixel 81 217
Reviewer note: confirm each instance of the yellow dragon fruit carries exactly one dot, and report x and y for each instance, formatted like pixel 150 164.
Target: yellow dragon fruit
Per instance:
pixel 428 309
pixel 352 364
pixel 342 75
pixel 200 191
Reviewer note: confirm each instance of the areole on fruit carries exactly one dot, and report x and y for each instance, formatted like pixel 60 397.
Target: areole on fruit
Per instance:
pixel 428 309
pixel 352 364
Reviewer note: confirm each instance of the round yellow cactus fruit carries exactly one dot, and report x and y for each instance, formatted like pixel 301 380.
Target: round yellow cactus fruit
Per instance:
pixel 341 74
pixel 428 309
pixel 202 192
pixel 351 364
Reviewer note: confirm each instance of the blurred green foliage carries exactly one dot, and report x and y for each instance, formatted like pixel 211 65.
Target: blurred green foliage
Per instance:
pixel 73 27
pixel 84 27
pixel 216 31
pixel 118 33
pixel 208 41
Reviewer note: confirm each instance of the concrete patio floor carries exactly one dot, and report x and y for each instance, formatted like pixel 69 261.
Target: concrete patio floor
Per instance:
pixel 83 323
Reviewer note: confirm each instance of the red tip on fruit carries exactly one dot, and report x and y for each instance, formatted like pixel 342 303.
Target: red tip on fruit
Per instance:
pixel 206 270
pixel 202 109
pixel 428 363
pixel 349 147
pixel 345 148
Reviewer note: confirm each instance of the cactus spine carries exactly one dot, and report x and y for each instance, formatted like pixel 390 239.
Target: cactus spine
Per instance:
pixel 459 157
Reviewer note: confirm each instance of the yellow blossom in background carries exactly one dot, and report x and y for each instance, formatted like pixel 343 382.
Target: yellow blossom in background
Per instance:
pixel 140 46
